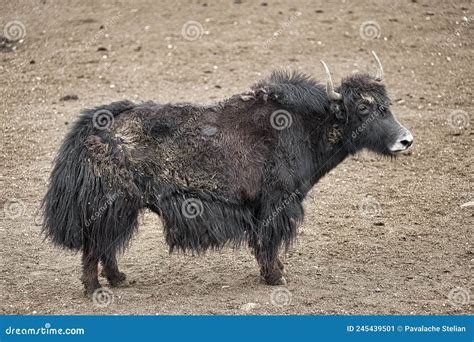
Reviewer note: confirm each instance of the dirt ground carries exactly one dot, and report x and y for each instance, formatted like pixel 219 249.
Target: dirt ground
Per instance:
pixel 380 236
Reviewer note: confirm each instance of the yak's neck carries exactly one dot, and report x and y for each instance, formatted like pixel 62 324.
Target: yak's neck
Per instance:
pixel 328 152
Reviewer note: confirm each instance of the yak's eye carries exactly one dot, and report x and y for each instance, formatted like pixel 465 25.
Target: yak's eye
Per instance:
pixel 363 109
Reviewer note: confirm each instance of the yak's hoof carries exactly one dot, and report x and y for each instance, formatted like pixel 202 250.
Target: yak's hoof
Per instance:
pixel 276 282
pixel 118 279
pixel 89 289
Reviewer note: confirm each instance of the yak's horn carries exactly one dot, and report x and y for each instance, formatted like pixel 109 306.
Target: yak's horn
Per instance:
pixel 379 75
pixel 333 95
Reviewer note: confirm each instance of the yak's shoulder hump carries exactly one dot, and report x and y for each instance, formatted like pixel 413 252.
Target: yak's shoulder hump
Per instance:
pixel 295 91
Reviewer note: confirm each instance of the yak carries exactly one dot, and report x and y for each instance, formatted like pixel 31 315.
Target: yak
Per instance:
pixel 226 174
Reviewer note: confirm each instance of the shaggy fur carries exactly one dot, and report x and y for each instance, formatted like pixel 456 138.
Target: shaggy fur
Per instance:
pixel 242 179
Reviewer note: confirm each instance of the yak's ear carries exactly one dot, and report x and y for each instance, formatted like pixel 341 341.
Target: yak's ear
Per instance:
pixel 337 111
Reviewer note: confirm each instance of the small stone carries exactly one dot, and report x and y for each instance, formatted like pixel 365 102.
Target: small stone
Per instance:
pixel 248 306
pixel 69 97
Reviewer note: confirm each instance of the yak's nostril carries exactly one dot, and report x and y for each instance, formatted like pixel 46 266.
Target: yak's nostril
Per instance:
pixel 406 142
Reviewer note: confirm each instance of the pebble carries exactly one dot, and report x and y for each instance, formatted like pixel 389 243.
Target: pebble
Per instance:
pixel 69 97
pixel 248 306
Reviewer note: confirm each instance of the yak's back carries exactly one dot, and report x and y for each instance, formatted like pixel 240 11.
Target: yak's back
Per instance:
pixel 220 149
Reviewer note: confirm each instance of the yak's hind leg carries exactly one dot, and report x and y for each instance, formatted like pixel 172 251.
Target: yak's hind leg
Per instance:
pixel 116 235
pixel 110 269
pixel 106 235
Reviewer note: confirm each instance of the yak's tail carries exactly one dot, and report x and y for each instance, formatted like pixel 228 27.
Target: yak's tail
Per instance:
pixel 87 202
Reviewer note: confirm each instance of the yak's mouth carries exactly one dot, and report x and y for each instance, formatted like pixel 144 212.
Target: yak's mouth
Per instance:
pixel 399 150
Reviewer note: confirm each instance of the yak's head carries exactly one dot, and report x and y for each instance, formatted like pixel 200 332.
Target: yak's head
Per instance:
pixel 363 107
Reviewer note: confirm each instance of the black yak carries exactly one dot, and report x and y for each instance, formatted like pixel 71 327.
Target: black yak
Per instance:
pixel 223 174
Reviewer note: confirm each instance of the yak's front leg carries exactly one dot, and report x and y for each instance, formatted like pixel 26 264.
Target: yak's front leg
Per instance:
pixel 110 269
pixel 90 263
pixel 280 265
pixel 271 268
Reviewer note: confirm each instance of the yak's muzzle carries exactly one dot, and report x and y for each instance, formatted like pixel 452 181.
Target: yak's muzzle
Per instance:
pixel 404 141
